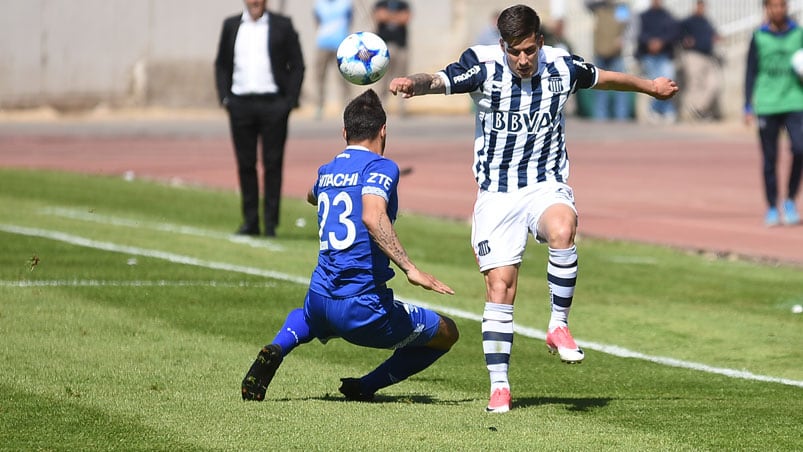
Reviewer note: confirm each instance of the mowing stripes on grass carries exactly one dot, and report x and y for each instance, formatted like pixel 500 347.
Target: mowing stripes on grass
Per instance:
pixel 75 214
pixel 525 331
pixel 96 283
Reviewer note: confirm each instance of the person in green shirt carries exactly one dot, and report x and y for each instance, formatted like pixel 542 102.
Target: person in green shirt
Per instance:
pixel 774 95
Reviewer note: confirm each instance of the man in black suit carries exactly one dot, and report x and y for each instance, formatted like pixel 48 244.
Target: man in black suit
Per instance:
pixel 258 72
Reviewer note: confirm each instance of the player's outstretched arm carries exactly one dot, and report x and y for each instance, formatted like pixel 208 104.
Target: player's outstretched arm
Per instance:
pixel 417 85
pixel 660 88
pixel 375 217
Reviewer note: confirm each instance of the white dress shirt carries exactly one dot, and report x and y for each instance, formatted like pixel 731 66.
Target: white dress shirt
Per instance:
pixel 252 70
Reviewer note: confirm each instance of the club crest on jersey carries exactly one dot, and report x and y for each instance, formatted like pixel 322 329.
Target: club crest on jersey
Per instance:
pixel 483 248
pixel 555 84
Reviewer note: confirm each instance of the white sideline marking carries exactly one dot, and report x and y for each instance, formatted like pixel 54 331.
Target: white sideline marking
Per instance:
pixel 77 214
pixel 132 250
pixel 524 331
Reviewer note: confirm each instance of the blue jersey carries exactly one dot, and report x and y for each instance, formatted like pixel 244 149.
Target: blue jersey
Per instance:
pixel 349 262
pixel 519 136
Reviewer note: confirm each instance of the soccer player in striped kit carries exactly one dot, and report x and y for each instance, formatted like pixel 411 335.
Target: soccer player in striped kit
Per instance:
pixel 520 87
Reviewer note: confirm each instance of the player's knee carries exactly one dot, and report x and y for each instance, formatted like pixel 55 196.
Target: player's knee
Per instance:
pixel 561 235
pixel 453 332
pixel 558 226
pixel 447 334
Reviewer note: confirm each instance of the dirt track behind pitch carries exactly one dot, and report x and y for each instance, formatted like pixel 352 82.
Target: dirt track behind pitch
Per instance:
pixel 694 187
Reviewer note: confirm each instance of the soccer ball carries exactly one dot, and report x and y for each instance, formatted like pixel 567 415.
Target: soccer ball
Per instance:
pixel 362 58
pixel 797 63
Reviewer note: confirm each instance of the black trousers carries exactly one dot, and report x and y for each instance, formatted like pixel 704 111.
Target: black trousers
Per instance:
pixel 769 131
pixel 250 118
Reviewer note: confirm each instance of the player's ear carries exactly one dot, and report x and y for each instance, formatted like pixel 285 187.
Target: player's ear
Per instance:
pixel 345 135
pixel 540 40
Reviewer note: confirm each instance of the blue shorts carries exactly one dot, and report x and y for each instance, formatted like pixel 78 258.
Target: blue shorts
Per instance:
pixel 371 320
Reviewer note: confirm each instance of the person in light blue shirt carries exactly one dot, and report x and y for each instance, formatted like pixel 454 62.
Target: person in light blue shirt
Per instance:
pixel 611 20
pixel 333 19
pixel 356 195
pixel 489 34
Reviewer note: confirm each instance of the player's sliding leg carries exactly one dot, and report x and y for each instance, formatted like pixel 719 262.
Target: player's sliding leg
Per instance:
pixel 562 279
pixel 423 350
pixel 401 365
pixel 497 341
pixel 293 333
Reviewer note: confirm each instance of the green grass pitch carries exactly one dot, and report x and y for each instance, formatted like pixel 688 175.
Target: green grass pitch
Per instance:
pixel 129 315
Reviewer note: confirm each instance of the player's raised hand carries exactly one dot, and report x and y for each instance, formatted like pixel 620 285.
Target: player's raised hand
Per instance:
pixel 427 281
pixel 403 86
pixel 664 88
pixel 417 85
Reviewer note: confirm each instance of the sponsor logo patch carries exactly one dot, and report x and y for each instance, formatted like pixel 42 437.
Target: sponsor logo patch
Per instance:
pixel 468 74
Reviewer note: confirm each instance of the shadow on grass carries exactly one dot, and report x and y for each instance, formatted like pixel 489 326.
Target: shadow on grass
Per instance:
pixel 405 399
pixel 572 404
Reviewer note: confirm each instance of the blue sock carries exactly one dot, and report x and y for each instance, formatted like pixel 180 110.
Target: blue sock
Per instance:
pixel 403 363
pixel 294 332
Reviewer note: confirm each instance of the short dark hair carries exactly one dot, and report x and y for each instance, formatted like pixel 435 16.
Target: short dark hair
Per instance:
pixel 517 23
pixel 364 117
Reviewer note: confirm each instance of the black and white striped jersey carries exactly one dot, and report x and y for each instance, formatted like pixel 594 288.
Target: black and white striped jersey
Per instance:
pixel 519 136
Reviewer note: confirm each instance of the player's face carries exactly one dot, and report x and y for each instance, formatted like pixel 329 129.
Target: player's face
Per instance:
pixel 777 11
pixel 522 58
pixel 256 8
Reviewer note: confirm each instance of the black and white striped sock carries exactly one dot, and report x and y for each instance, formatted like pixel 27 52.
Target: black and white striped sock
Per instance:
pixel 497 340
pixel 562 279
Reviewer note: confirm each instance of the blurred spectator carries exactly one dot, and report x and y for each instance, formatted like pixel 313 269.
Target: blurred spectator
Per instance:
pixel 333 20
pixel 610 22
pixel 658 34
pixel 774 93
pixel 557 12
pixel 554 30
pixel 391 18
pixel 490 34
pixel 700 67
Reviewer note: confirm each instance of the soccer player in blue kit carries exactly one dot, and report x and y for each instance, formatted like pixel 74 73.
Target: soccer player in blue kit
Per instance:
pixel 520 87
pixel 348 297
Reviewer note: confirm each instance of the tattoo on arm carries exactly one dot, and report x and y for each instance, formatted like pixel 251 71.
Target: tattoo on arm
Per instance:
pixel 427 84
pixel 385 237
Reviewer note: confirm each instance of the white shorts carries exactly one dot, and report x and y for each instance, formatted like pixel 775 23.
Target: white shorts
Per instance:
pixel 502 221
